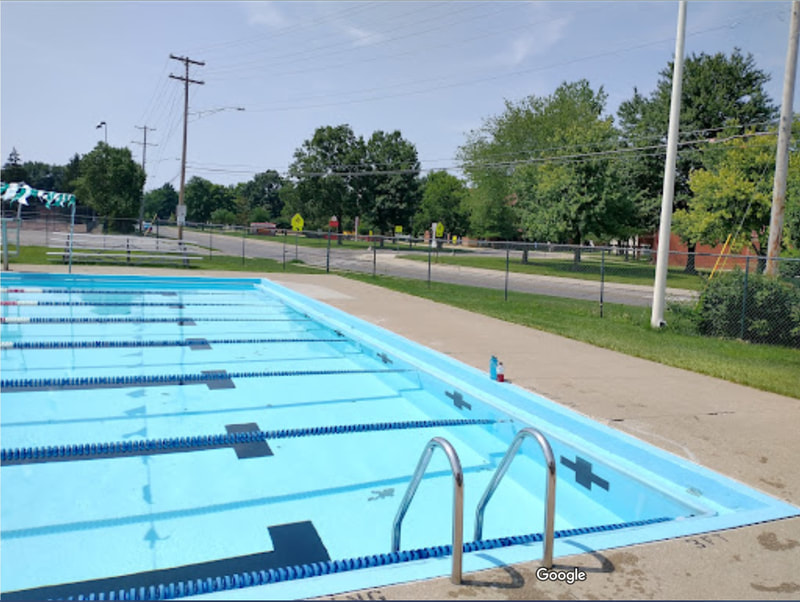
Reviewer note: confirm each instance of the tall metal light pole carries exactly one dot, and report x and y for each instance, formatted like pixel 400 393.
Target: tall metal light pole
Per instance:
pixel 144 144
pixel 186 81
pixel 103 125
pixel 668 192
pixel 782 154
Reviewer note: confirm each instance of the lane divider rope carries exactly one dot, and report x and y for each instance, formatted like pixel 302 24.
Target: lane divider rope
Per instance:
pixel 174 379
pixel 141 304
pixel 153 343
pixel 243 580
pixel 129 320
pixel 27 455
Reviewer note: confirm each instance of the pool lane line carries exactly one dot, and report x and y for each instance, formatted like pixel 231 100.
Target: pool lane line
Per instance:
pixel 245 579
pixel 154 343
pixel 92 291
pixel 203 378
pixel 124 304
pixel 149 447
pixel 129 320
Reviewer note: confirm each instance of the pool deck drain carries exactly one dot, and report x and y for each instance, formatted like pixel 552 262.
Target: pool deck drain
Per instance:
pixel 743 433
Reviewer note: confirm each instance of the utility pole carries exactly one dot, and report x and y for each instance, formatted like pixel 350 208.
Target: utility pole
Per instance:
pixel 668 192
pixel 144 168
pixel 186 81
pixel 782 154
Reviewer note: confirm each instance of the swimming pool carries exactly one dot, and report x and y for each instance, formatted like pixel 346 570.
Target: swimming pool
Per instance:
pixel 165 372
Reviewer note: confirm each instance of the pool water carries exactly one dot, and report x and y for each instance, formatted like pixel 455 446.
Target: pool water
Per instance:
pixel 152 366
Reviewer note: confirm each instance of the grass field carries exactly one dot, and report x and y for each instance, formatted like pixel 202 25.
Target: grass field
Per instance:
pixel 615 268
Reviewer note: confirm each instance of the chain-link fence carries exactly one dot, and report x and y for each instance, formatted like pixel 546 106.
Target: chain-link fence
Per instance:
pixel 716 295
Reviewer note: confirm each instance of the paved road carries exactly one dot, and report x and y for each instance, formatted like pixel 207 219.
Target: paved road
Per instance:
pixel 387 262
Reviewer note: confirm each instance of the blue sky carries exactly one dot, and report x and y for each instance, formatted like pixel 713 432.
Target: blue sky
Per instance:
pixel 433 70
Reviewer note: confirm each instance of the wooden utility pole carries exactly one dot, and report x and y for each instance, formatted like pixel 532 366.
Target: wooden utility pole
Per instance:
pixel 186 81
pixel 782 154
pixel 144 168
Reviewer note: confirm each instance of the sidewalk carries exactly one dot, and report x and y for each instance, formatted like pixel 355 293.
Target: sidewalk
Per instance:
pixel 746 434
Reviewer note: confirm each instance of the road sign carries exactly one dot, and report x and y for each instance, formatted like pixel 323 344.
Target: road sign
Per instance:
pixel 297 222
pixel 439 229
pixel 398 229
pixel 180 212
pixel 334 222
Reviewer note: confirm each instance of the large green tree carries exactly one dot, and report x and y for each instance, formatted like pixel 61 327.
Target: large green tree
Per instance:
pixel 444 200
pixel 263 191
pixel 326 174
pixel 203 197
pixel 13 170
pixel 548 156
pixel 111 183
pixel 388 190
pixel 717 91
pixel 161 202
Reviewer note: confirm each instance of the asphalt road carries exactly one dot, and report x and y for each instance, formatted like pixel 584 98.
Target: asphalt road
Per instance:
pixel 387 262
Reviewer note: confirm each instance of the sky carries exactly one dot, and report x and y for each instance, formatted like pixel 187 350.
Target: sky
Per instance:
pixel 432 70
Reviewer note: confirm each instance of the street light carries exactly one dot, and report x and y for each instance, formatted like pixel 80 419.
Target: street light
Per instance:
pixel 206 112
pixel 103 125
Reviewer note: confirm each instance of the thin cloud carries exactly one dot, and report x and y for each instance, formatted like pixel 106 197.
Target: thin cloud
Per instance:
pixel 540 42
pixel 361 37
pixel 265 13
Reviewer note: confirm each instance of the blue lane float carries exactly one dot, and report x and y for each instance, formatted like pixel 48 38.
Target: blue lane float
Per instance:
pixel 131 320
pixel 154 343
pixel 116 449
pixel 195 587
pixel 15 385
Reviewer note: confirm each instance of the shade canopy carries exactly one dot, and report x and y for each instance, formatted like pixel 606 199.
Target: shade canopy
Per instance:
pixel 20 191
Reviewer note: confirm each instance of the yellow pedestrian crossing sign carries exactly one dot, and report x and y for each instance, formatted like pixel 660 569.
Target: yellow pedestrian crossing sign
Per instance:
pixel 439 230
pixel 297 222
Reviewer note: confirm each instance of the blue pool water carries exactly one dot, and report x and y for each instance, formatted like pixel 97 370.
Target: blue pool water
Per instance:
pixel 160 374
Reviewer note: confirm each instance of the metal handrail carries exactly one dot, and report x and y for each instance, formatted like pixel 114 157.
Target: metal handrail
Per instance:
pixel 458 501
pixel 550 505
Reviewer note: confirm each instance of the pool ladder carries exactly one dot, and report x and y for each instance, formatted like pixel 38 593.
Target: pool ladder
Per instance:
pixel 458 495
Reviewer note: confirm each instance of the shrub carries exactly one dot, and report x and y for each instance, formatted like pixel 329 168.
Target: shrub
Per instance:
pixel 223 216
pixel 771 309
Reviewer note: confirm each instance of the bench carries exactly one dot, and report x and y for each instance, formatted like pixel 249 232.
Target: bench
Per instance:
pixel 101 248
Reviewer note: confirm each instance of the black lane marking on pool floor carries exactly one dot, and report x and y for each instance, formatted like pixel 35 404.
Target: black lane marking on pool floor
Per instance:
pixel 253 449
pixel 292 544
pixel 583 473
pixel 198 344
pixel 47 345
pixel 458 400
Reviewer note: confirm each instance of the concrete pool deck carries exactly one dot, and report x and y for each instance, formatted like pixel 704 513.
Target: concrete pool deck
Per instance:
pixel 746 434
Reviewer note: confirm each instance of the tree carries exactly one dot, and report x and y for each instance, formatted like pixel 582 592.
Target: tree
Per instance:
pixel 444 199
pixel 571 193
pixel 390 196
pixel 717 91
pixel 324 170
pixel 263 191
pixel 111 183
pixel 13 171
pixel 161 202
pixel 204 197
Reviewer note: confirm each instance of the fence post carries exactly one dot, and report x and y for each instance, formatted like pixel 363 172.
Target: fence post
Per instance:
pixel 296 236
pixel 328 254
pixel 429 266
pixel 744 296
pixel 244 236
pixel 374 259
pixel 602 278
pixel 508 250
pixel 210 241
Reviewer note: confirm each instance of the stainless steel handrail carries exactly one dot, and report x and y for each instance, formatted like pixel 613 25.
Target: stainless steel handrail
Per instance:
pixel 550 504
pixel 458 501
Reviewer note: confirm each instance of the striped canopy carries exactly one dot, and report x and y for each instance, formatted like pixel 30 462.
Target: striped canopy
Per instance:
pixel 20 191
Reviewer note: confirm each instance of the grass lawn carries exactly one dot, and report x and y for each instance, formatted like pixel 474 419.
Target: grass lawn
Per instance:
pixel 623 328
pixel 589 268
pixel 38 256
